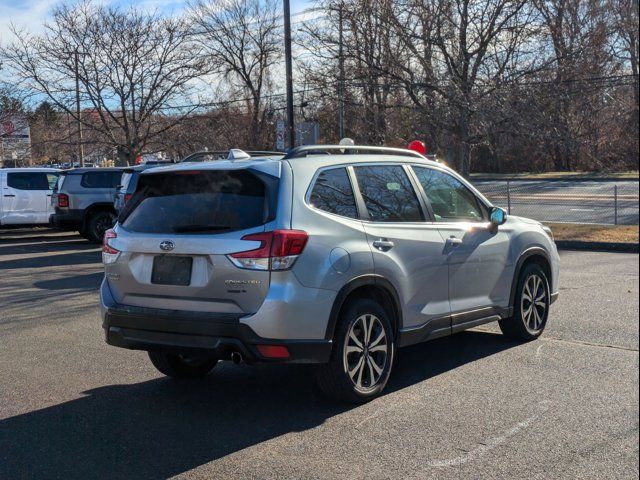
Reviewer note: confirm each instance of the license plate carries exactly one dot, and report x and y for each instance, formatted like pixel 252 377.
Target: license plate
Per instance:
pixel 171 270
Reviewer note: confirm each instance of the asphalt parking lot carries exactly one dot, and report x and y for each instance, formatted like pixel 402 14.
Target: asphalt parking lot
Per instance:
pixel 470 406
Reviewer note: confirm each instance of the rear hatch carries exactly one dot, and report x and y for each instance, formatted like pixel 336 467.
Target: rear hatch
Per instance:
pixel 175 233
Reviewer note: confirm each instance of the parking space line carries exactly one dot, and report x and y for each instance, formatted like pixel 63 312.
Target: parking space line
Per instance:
pixel 485 448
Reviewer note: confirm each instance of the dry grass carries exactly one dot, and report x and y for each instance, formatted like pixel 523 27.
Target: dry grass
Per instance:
pixel 595 233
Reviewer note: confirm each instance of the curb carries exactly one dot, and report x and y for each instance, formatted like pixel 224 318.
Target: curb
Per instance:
pixel 598 246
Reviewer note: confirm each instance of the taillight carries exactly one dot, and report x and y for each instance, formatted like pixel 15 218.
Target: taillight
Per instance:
pixel 63 200
pixel 109 254
pixel 278 250
pixel 127 197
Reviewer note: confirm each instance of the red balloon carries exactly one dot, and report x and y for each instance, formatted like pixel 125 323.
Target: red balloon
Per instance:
pixel 418 146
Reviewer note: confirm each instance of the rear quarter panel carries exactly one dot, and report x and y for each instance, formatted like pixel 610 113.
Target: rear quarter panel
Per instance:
pixel 337 250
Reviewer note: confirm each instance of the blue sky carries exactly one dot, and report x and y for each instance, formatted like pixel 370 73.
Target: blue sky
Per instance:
pixel 30 14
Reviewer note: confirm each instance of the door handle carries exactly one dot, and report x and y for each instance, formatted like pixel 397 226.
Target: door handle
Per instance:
pixel 454 241
pixel 9 195
pixel 383 244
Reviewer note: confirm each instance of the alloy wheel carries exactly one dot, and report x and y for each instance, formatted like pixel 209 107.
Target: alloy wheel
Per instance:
pixel 533 304
pixel 366 352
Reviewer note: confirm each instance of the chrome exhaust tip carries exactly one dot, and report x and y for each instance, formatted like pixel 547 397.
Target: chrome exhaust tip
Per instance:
pixel 236 357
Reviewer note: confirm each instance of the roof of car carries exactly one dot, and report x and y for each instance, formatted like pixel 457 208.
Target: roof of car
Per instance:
pixel 33 169
pixel 265 164
pixel 145 166
pixel 78 171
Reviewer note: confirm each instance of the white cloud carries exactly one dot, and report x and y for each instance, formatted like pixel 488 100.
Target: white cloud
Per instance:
pixel 28 15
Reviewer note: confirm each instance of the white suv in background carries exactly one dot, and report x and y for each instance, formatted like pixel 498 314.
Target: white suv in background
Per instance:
pixel 26 195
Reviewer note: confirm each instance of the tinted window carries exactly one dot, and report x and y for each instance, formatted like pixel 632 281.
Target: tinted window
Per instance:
pixel 450 199
pixel 388 194
pixel 332 193
pixel 205 202
pixel 28 180
pixel 101 179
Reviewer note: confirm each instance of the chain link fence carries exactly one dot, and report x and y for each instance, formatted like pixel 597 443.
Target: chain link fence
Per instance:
pixel 566 202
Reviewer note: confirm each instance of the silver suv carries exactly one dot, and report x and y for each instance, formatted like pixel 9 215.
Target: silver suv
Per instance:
pixel 331 255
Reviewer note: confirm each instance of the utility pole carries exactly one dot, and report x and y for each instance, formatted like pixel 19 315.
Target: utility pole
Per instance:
pixel 79 138
pixel 340 73
pixel 289 74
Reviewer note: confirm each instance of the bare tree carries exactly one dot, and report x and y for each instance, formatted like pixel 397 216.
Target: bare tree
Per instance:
pixel 242 41
pixel 131 66
pixel 626 49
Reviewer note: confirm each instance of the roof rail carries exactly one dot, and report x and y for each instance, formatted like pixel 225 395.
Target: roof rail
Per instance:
pixel 304 151
pixel 224 154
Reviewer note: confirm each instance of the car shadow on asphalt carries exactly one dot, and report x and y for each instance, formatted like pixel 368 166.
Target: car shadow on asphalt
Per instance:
pixel 16 235
pixel 63 259
pixel 90 281
pixel 162 427
pixel 76 244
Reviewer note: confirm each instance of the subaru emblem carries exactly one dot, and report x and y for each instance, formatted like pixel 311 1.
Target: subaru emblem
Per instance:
pixel 167 245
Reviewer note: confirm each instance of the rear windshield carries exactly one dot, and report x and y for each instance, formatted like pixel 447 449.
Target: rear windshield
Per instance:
pixel 205 202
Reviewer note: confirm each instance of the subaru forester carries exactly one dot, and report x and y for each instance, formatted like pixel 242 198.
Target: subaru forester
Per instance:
pixel 330 255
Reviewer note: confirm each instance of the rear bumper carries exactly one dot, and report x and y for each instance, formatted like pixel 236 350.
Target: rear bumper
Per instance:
pixel 69 220
pixel 142 328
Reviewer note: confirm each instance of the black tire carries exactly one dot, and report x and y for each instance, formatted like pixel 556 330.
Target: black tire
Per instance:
pixel 521 326
pixel 98 223
pixel 182 366
pixel 333 379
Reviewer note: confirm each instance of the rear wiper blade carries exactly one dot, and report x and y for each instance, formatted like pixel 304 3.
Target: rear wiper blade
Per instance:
pixel 200 228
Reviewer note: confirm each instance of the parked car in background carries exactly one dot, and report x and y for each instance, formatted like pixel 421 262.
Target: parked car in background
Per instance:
pixel 128 184
pixel 26 195
pixel 331 255
pixel 83 201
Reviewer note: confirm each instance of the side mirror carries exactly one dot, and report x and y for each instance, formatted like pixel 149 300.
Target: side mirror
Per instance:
pixel 498 216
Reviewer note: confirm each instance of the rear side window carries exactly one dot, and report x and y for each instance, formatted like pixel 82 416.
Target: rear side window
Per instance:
pixel 206 202
pixel 388 194
pixel 28 180
pixel 332 193
pixel 101 179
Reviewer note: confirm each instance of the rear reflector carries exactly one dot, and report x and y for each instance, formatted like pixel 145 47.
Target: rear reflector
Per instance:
pixel 273 351
pixel 278 250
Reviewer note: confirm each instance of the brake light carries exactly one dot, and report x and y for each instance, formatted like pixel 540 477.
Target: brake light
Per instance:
pixel 63 200
pixel 278 250
pixel 127 197
pixel 109 254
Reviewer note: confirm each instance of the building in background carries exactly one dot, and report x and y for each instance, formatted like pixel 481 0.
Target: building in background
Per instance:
pixel 15 145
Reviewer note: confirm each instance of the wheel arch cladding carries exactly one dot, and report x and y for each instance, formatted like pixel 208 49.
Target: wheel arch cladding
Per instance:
pixel 372 287
pixel 537 256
